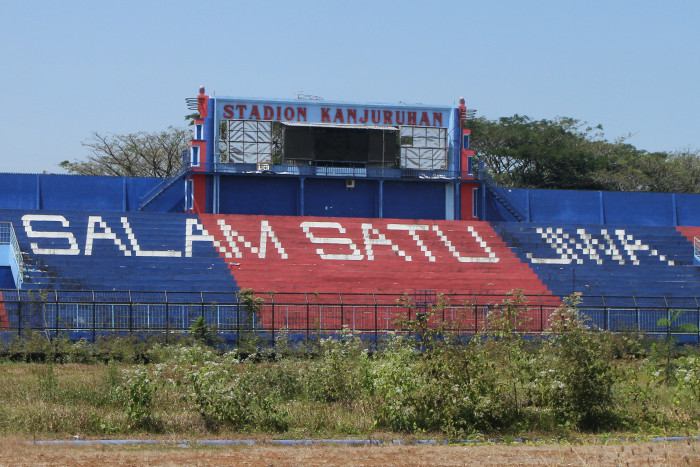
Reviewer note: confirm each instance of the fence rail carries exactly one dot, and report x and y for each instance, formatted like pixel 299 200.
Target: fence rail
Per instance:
pixel 344 172
pixel 90 314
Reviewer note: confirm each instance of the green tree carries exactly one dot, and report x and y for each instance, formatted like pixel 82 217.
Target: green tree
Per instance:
pixel 141 154
pixel 634 170
pixel 565 153
pixel 526 153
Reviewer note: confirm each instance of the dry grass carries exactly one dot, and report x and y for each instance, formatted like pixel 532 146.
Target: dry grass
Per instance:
pixel 61 401
pixel 79 405
pixel 70 400
pixel 21 453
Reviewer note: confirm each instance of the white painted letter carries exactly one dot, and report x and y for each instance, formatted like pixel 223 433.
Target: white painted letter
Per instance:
pixel 356 254
pixel 106 234
pixel 379 240
pixel 491 258
pixel 27 223
pixel 412 228
pixel 191 237
pixel 233 238
pixel 137 249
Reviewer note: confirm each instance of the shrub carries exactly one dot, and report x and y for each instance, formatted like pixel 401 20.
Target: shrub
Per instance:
pixel 338 373
pixel 400 388
pixel 224 396
pixel 203 334
pixel 136 391
pixel 581 394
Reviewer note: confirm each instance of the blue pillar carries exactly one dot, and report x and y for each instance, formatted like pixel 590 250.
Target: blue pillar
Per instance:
pixel 527 206
pixel 458 201
pixel 380 211
pixel 38 191
pixel 301 196
pixel 675 209
pixel 124 200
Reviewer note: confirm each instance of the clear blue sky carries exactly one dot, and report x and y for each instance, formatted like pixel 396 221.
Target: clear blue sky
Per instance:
pixel 70 68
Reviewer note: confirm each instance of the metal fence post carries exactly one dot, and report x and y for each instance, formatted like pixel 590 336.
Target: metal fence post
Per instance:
pixel 697 310
pixel 131 314
pixel 605 313
pixel 308 316
pixel 238 323
pixel 376 322
pixel 272 325
pixel 19 313
pixel 167 318
pixel 94 317
pixel 341 311
pixel 443 305
pixel 55 296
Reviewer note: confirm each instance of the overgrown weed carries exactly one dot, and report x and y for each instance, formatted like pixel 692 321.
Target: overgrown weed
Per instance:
pixel 575 380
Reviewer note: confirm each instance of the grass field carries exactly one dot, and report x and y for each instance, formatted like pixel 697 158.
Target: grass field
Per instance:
pixel 573 385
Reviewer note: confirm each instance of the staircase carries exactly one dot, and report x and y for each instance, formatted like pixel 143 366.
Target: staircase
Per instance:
pixel 12 263
pixel 501 195
pixel 149 197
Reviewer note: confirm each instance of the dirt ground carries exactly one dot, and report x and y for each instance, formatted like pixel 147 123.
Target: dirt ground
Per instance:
pixel 672 453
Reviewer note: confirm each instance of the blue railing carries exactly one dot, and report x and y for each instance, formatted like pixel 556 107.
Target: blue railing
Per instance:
pixel 346 172
pixel 160 188
pixel 501 194
pixel 7 237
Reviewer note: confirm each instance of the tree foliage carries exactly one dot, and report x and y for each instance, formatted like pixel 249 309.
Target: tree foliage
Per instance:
pixel 566 153
pixel 141 154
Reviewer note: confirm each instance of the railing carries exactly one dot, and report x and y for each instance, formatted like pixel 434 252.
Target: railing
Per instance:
pixel 304 315
pixel 7 237
pixel 160 188
pixel 501 194
pixel 347 172
pixel 696 250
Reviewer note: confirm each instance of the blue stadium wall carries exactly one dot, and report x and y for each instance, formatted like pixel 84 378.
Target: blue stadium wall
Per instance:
pixel 596 207
pixel 75 192
pixel 329 197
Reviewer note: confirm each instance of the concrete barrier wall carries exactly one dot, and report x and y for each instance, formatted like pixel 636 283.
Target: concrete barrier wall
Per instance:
pixel 600 207
pixel 399 199
pixel 75 192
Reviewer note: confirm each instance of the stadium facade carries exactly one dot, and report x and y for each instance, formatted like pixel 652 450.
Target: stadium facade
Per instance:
pixel 355 202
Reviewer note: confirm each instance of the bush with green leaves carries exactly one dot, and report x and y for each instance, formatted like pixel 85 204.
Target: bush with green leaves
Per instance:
pixel 504 346
pixel 136 392
pixel 667 351
pixel 249 341
pixel 203 333
pixel 687 386
pixel 338 373
pixel 400 388
pixel 582 393
pixel 225 396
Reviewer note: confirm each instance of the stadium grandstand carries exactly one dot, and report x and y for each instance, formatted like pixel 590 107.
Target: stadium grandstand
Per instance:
pixel 335 214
